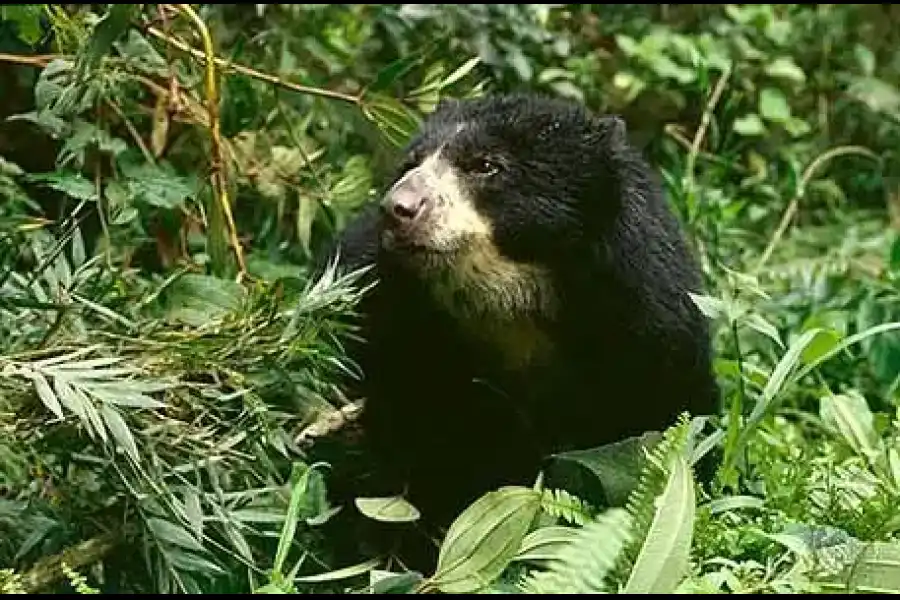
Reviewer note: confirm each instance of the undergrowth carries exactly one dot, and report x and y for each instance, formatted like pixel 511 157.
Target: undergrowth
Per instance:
pixel 168 174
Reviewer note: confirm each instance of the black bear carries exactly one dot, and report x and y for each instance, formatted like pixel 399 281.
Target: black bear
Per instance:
pixel 532 297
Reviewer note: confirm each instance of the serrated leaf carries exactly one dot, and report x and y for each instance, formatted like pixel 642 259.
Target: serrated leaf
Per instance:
pixel 198 299
pixel 171 533
pixel 583 565
pixel 664 557
pixel 120 432
pixel 158 185
pixel 393 509
pixel 72 184
pixel 484 538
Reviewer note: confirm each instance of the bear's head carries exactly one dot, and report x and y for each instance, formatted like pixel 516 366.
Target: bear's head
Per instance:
pixel 493 192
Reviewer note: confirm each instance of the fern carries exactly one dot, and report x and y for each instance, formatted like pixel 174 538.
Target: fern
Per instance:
pixel 602 554
pixel 642 504
pixel 563 505
pixel 582 565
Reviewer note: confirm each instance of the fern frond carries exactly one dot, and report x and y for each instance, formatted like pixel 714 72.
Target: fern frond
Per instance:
pixel 641 506
pixel 581 566
pixel 561 504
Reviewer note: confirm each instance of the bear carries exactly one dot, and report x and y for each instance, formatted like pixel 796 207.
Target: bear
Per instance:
pixel 531 295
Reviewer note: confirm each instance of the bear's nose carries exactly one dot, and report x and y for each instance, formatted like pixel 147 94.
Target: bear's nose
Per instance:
pixel 405 203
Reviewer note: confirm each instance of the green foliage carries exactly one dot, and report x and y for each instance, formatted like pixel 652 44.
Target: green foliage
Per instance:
pixel 154 393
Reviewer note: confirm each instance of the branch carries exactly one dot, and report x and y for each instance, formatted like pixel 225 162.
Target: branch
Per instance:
pixel 244 70
pixel 49 570
pixel 794 205
pixel 217 175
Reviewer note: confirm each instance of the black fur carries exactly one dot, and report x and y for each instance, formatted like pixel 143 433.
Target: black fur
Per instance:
pixel 630 350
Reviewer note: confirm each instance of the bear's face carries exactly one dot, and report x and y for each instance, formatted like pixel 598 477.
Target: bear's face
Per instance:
pixel 491 193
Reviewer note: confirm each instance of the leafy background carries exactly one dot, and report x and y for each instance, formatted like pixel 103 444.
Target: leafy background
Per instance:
pixel 169 172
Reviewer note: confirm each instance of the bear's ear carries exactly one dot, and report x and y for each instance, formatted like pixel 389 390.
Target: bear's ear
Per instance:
pixel 613 131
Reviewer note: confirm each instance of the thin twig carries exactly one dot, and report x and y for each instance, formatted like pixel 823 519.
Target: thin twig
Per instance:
pixel 226 65
pixel 705 120
pixel 217 175
pixel 38 60
pixel 794 204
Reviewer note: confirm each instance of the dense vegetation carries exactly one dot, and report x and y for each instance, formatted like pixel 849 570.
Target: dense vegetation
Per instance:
pixel 164 351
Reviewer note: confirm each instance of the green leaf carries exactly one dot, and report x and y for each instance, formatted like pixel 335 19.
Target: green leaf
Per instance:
pixel 878 95
pixel 27 18
pixel 894 256
pixel 749 125
pixel 759 324
pixel 198 299
pixel 664 556
pixel 351 190
pixel 191 562
pixel 45 393
pixel 394 71
pixel 70 183
pixel 300 479
pixel 823 342
pixel 170 533
pixel 784 67
pixel 712 308
pixel 784 367
pixel 849 416
pixel 158 185
pixel 385 582
pixel 120 432
pixel 460 72
pixel 484 538
pixel 773 105
pixel 107 30
pixel 729 503
pixel 581 567
pixel 546 543
pixel 344 573
pixel 395 120
pixel 616 467
pixel 393 509
pixel 868 568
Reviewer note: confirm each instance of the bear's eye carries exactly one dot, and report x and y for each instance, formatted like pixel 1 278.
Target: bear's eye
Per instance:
pixel 484 166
